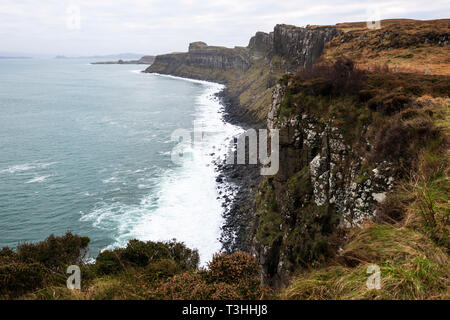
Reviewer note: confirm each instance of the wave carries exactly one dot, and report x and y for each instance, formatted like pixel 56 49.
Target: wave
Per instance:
pixel 185 205
pixel 217 86
pixel 26 167
pixel 37 179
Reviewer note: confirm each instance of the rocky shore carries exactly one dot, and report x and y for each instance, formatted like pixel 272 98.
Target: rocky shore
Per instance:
pixel 241 181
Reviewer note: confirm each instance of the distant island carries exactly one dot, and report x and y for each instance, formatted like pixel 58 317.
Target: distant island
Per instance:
pixel 128 56
pixel 142 60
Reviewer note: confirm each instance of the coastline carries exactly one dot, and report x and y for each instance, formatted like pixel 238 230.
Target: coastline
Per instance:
pixel 236 184
pixel 238 227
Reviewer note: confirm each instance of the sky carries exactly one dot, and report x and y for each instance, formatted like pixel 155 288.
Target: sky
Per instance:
pixel 100 27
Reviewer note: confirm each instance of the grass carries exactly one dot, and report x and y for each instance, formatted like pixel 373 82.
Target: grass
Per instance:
pixel 405 45
pixel 409 241
pixel 418 278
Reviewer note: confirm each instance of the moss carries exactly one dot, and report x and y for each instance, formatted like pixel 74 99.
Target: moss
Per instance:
pixel 309 242
pixel 269 228
pixel 300 184
pixel 270 221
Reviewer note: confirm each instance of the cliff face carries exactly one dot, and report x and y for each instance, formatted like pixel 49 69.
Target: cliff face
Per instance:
pixel 198 62
pixel 251 74
pixel 347 138
pixel 332 174
pixel 325 184
pixel 299 47
pixel 286 48
pixel 147 59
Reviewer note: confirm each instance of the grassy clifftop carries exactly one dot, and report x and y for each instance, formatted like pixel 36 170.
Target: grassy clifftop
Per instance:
pixel 401 44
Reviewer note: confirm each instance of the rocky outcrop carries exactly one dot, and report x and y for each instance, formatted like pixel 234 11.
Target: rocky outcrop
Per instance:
pixel 297 46
pixel 199 58
pixel 202 55
pixel 300 47
pixel 322 180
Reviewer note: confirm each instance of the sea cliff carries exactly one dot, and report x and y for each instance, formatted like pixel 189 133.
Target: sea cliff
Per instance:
pixel 331 176
pixel 364 124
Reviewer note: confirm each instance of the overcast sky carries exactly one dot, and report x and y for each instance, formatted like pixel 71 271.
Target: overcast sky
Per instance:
pixel 88 27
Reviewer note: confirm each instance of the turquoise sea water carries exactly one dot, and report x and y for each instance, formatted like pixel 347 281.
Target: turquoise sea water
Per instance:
pixel 86 148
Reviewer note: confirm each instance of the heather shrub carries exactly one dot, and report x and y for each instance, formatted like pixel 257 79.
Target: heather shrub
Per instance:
pixel 161 269
pixel 186 258
pixel 231 268
pixel 140 254
pixel 109 261
pixel 228 276
pixel 17 278
pixel 193 286
pixel 188 285
pixel 6 254
pixel 238 269
pixel 401 138
pixel 390 93
pixel 54 253
pixel 338 79
pixel 389 103
pixel 34 265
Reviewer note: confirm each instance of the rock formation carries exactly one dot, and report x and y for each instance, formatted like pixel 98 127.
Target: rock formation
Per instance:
pixel 297 46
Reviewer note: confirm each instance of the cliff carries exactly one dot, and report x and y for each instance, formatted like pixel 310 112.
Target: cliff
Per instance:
pixel 342 152
pixel 363 180
pixel 298 47
pixel 340 163
pixel 249 72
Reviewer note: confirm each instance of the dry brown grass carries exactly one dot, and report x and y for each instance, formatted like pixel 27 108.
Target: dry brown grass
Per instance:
pixel 402 44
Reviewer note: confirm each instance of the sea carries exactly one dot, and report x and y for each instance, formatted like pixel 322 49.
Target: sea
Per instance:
pixel 89 149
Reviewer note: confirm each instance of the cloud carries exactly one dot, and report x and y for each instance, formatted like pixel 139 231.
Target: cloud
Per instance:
pixel 158 26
